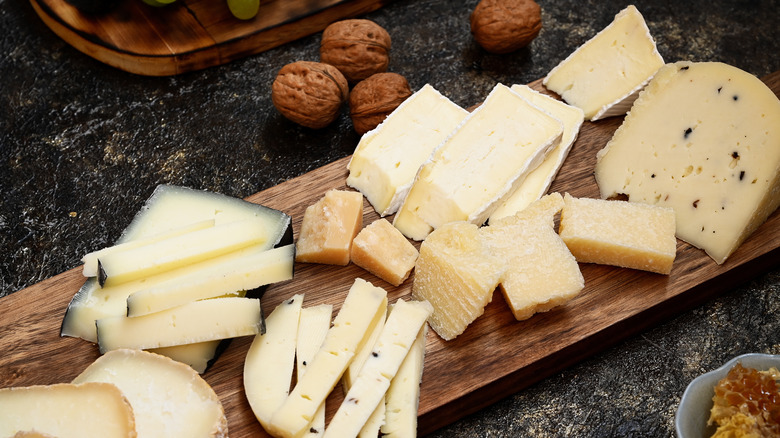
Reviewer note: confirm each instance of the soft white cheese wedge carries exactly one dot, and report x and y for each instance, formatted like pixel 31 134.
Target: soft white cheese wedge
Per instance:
pixel 312 329
pixel 604 75
pixel 480 164
pixel 360 312
pixel 169 399
pixel 387 158
pixel 215 280
pixel 190 323
pixel 703 139
pixel 67 410
pixel 539 180
pixel 269 363
pixel 397 337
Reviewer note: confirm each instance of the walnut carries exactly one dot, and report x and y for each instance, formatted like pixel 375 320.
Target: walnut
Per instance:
pixel 503 26
pixel 373 98
pixel 309 93
pixel 359 48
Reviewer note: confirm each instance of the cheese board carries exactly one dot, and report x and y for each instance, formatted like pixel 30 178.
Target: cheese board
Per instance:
pixel 189 35
pixel 495 357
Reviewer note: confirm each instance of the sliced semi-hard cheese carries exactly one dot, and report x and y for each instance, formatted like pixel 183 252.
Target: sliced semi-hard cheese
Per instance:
pixel 198 321
pixel 397 337
pixel 604 75
pixel 536 184
pixel 457 274
pixel 360 312
pixel 382 250
pixel 312 329
pixel 65 410
pixel 403 396
pixel 169 399
pixel 215 280
pixel 200 355
pixel 268 367
pixel 703 139
pixel 541 272
pixel 328 227
pixel 387 158
pixel 481 163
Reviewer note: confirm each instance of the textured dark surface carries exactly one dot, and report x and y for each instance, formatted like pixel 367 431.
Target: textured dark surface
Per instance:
pixel 82 145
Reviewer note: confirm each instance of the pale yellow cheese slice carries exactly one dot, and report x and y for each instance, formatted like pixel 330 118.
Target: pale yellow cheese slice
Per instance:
pixel 403 396
pixel 328 227
pixel 312 329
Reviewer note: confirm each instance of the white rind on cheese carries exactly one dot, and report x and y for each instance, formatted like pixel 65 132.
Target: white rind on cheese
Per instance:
pixel 169 399
pixel 403 396
pixel 538 182
pixel 606 73
pixel 481 163
pixel 703 139
pixel 387 158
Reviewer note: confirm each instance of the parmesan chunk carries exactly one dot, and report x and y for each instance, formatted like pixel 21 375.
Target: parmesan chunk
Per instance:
pixel 328 227
pixel 383 251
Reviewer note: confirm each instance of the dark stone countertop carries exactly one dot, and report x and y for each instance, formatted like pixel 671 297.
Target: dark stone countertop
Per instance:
pixel 82 145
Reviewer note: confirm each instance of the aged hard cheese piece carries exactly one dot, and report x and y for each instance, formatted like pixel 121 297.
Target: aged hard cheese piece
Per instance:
pixel 387 158
pixel 403 396
pixel 703 139
pixel 457 274
pixel 312 329
pixel 66 410
pixel 215 280
pixel 481 163
pixel 619 233
pixel 604 75
pixel 268 367
pixel 382 250
pixel 198 321
pixel 540 272
pixel 169 399
pixel 397 337
pixel 539 180
pixel 360 312
pixel 328 227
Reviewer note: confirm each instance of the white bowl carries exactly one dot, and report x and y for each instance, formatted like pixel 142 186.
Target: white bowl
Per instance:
pixel 696 402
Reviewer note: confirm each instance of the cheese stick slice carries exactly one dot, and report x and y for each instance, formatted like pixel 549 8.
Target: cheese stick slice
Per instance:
pixel 312 329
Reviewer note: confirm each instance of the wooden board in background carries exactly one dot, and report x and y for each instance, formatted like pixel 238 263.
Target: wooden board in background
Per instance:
pixel 495 357
pixel 189 35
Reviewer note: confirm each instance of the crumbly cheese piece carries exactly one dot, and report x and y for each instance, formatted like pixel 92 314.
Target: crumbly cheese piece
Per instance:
pixel 402 399
pixel 198 321
pixel 169 399
pixel 215 280
pixel 328 227
pixel 481 163
pixel 604 75
pixel 619 233
pixel 382 250
pixel 539 180
pixel 66 410
pixel 312 329
pixel 387 158
pixel 457 274
pixel 703 139
pixel 360 312
pixel 397 337
pixel 541 273
pixel 268 367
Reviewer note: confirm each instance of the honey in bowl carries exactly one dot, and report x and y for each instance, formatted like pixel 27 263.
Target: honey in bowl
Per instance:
pixel 747 404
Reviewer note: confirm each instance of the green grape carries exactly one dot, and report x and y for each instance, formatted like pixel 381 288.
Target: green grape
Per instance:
pixel 158 3
pixel 243 9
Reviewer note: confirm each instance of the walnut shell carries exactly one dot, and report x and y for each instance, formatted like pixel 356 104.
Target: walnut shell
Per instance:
pixel 503 26
pixel 357 47
pixel 309 93
pixel 374 98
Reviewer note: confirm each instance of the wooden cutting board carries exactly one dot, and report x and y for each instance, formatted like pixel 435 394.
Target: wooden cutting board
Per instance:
pixel 189 35
pixel 495 357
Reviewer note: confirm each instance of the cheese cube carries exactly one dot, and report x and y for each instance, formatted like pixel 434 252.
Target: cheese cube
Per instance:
pixel 703 139
pixel 481 163
pixel 383 251
pixel 328 227
pixel 168 398
pixel 604 75
pixel 387 158
pixel 67 410
pixel 541 272
pixel 538 181
pixel 619 233
pixel 457 274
